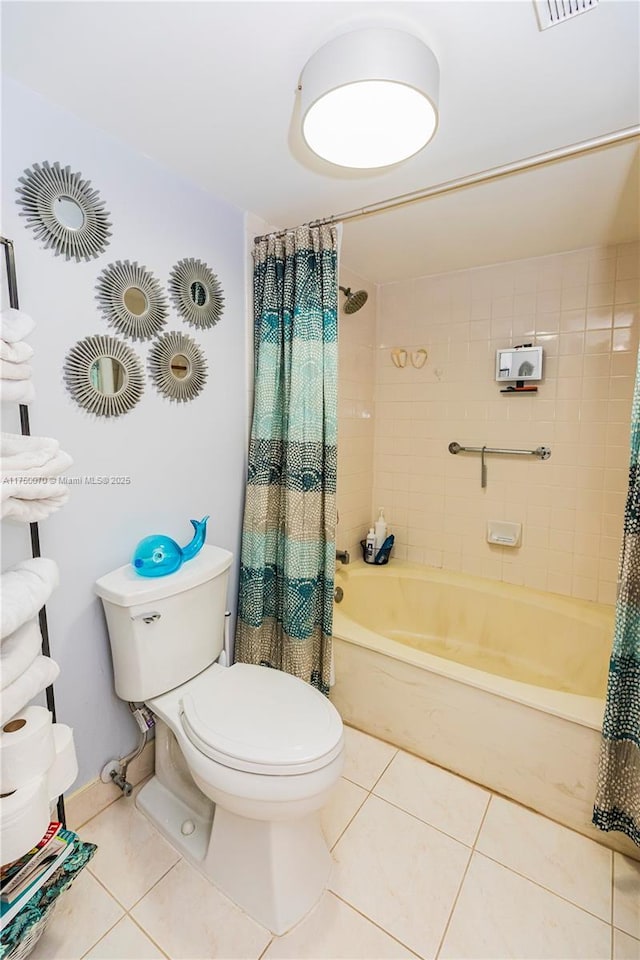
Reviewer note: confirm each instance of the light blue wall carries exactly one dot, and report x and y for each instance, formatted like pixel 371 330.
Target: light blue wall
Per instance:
pixel 184 460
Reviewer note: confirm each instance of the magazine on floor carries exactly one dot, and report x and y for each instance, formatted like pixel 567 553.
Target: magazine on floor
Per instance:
pixel 34 874
pixel 12 873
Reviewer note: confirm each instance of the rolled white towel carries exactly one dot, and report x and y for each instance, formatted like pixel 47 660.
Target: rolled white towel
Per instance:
pixel 32 511
pixel 50 471
pixel 15 325
pixel 16 391
pixel 15 371
pixel 30 486
pixel 18 651
pixel 18 352
pixel 24 590
pixel 40 673
pixel 22 453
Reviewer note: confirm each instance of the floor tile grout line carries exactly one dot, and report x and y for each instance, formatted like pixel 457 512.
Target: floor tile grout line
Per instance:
pixel 384 771
pixel 155 884
pixel 479 786
pixel 107 890
pixel 445 770
pixel 626 933
pixel 370 794
pixel 148 936
pixel 464 876
pixel 374 923
pixel 537 883
pixel 454 904
pixel 482 822
pixel 377 780
pixel 348 824
pixel 531 879
pixel 136 902
pixel 427 823
pixel 267 946
pixel 100 939
pixel 165 874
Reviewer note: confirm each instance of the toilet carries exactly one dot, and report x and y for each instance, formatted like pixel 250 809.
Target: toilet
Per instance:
pixel 246 756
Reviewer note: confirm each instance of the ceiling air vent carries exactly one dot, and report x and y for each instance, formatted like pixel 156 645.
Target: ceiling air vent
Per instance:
pixel 552 12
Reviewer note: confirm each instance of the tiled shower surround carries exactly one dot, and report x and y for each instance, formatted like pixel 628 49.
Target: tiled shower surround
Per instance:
pixel 583 308
pixel 356 390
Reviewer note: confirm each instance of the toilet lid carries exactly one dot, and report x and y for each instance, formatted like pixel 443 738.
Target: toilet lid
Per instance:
pixel 262 720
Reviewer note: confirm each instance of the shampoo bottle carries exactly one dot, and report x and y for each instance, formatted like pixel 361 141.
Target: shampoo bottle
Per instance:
pixel 370 547
pixel 381 529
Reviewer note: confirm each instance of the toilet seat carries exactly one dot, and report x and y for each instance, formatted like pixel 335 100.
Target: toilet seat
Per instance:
pixel 260 720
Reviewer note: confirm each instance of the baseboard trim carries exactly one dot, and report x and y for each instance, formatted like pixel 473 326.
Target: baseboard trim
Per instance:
pixel 96 796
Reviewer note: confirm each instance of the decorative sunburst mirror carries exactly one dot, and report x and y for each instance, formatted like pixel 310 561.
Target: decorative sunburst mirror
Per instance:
pixel 132 300
pixel 64 211
pixel 196 293
pixel 104 376
pixel 177 366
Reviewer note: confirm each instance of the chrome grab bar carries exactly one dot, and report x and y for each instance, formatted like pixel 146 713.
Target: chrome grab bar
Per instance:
pixel 543 452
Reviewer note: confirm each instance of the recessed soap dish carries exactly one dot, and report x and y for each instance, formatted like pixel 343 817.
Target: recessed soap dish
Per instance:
pixel 504 533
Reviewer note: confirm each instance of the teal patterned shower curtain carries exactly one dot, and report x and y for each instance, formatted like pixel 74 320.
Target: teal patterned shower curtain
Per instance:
pixel 285 607
pixel 617 805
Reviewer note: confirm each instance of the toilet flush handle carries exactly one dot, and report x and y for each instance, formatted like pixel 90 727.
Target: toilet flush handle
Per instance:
pixel 149 617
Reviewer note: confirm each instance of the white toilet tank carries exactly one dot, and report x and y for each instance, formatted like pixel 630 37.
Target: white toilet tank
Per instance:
pixel 165 630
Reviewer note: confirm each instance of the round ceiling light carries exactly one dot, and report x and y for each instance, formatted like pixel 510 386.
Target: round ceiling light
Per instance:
pixel 370 98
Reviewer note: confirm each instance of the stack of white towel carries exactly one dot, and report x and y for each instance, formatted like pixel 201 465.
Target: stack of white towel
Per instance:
pixel 31 468
pixel 15 369
pixel 39 764
pixel 24 673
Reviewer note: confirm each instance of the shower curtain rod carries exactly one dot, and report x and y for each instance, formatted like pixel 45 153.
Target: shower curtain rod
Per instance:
pixel 472 180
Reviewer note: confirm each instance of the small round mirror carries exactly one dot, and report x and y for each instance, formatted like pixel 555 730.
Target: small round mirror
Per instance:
pixel 104 376
pixel 107 375
pixel 68 212
pixel 198 293
pixel 135 301
pixel 179 366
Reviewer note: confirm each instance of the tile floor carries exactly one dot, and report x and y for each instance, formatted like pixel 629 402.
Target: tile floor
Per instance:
pixel 426 865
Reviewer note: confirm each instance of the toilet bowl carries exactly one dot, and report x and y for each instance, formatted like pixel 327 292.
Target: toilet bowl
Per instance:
pixel 268 781
pixel 246 756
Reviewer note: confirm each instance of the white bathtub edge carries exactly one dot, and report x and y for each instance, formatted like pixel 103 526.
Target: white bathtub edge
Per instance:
pixel 588 711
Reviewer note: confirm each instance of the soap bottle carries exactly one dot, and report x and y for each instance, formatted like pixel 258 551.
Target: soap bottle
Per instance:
pixel 370 547
pixel 381 529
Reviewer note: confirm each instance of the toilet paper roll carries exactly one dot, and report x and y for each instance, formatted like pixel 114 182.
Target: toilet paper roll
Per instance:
pixel 24 818
pixel 64 769
pixel 27 748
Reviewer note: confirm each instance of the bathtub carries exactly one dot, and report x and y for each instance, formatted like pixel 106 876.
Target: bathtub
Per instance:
pixel 502 684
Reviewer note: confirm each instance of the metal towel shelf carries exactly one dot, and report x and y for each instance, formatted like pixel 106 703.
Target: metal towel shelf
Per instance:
pixel 542 452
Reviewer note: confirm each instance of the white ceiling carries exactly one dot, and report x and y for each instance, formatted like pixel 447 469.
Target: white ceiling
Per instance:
pixel 209 89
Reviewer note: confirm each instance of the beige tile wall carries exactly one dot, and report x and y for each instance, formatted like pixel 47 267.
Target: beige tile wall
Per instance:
pixel 582 307
pixel 356 385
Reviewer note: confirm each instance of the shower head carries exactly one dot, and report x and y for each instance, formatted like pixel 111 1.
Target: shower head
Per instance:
pixel 355 300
